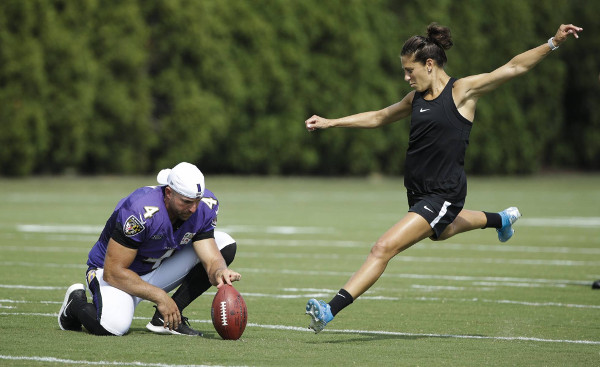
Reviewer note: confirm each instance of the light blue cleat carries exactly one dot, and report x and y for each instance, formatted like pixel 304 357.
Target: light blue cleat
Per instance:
pixel 320 314
pixel 509 217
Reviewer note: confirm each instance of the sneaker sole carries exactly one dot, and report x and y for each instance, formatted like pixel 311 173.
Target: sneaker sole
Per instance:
pixel 65 303
pixel 315 324
pixel 165 331
pixel 503 237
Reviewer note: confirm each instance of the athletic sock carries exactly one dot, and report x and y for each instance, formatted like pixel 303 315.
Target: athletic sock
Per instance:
pixel 196 281
pixel 494 220
pixel 87 315
pixel 341 300
pixel 194 284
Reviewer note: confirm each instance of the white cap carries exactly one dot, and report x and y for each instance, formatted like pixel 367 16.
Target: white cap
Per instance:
pixel 185 178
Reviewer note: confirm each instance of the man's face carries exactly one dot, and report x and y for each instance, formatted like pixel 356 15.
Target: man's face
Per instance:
pixel 179 206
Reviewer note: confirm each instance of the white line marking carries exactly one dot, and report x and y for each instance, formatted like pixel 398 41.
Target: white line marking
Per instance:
pixel 45 265
pixel 322 293
pixel 372 332
pixel 331 292
pixel 577 222
pixel 93 229
pixel 43 288
pixel 94 363
pixel 504 338
pixel 419 276
pixel 401 258
pixel 21 301
pixel 89 240
pixel 437 287
pixel 55 228
pixel 496 261
pixel 82 249
pixel 508 248
pixel 427 259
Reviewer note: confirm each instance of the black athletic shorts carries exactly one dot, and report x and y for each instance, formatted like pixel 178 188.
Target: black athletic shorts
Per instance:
pixel 439 213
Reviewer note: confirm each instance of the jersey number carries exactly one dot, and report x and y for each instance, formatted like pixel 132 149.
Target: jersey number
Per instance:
pixel 210 202
pixel 159 260
pixel 149 211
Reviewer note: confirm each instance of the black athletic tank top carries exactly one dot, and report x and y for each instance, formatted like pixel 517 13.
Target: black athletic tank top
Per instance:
pixel 438 140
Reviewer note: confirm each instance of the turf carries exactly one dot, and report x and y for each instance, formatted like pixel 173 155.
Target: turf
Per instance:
pixel 468 301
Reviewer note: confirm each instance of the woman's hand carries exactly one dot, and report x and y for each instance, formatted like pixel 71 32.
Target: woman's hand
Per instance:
pixel 564 31
pixel 316 122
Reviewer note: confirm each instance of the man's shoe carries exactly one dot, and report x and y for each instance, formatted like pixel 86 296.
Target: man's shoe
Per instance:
pixel 509 217
pixel 157 323
pixel 596 284
pixel 66 319
pixel 320 314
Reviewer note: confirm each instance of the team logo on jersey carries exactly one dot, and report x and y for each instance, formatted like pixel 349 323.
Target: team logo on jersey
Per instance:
pixel 186 238
pixel 91 275
pixel 133 226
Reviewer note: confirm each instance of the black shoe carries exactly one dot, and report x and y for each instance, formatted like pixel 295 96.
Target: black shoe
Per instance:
pixel 75 295
pixel 157 325
pixel 596 284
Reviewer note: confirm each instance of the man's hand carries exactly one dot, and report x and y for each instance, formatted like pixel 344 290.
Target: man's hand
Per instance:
pixel 169 311
pixel 226 276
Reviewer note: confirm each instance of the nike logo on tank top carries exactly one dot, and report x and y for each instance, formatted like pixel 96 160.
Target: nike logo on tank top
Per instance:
pixel 439 136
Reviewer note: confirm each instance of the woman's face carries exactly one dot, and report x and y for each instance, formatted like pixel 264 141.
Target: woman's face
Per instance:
pixel 415 73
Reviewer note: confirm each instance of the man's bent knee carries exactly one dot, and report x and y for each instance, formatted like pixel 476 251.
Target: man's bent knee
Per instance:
pixel 228 253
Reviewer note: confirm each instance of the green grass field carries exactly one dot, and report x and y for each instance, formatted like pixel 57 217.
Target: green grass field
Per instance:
pixel 468 301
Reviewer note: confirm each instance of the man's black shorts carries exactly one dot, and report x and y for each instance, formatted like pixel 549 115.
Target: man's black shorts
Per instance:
pixel 439 213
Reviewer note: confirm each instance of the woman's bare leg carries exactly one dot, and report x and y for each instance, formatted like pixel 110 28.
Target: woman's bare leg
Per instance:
pixel 466 220
pixel 408 231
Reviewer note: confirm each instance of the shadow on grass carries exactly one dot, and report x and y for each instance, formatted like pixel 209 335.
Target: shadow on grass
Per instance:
pixel 143 331
pixel 374 337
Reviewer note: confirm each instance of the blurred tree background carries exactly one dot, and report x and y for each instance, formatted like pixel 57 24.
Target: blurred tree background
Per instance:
pixel 132 86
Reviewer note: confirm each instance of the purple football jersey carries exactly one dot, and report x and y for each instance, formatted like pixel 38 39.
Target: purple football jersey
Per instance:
pixel 141 221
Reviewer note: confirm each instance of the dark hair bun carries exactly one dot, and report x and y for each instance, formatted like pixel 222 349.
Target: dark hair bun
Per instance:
pixel 440 35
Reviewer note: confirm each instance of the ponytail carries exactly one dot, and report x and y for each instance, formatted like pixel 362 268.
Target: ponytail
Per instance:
pixel 433 46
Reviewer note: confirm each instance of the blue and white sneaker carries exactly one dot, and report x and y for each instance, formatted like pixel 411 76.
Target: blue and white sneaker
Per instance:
pixel 320 314
pixel 509 217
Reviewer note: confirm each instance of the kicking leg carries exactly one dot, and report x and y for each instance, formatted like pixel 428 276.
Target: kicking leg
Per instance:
pixel 408 231
pixel 468 220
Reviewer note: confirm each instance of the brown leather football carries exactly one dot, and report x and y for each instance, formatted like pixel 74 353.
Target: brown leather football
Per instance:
pixel 229 313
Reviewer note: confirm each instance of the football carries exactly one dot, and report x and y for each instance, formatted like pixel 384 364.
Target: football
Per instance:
pixel 229 313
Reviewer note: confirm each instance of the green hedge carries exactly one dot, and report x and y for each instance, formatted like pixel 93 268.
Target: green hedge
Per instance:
pixel 124 87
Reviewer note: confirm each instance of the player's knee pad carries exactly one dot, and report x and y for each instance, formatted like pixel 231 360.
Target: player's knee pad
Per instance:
pixel 228 253
pixel 226 245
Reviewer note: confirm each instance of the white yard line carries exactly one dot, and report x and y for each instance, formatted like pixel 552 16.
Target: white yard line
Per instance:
pixel 551 282
pixel 368 332
pixel 62 361
pixel 306 293
pixel 574 222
